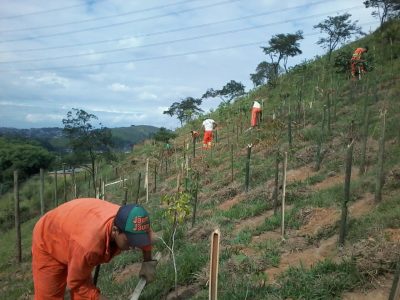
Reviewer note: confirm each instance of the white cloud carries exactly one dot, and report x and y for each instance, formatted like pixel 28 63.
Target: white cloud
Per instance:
pixel 36 118
pixel 147 96
pixel 119 87
pixel 130 42
pixel 50 79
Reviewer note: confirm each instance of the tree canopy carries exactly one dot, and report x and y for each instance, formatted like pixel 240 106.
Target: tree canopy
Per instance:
pixel 281 47
pixel 87 140
pixel 25 157
pixel 339 29
pixel 265 73
pixel 185 110
pixel 385 9
pixel 164 135
pixel 229 91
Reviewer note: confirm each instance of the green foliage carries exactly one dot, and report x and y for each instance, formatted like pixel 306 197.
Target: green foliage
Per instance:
pixel 281 47
pixel 339 29
pixel 229 91
pixel 24 157
pixel 164 135
pixel 265 73
pixel 385 9
pixel 178 207
pixel 186 110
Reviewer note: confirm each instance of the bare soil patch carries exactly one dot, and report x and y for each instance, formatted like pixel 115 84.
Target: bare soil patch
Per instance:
pixel 381 292
pixel 318 219
pixel 127 272
pixel 269 235
pixel 362 206
pixel 392 235
pixel 299 174
pixel 307 258
pixel 332 181
pixel 253 222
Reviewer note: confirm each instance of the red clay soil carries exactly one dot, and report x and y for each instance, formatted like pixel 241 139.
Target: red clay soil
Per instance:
pixel 269 235
pixel 299 174
pixel 307 258
pixel 332 181
pixel 381 292
pixel 320 217
pixel 392 235
pixel 128 272
pixel 231 202
pixel 253 222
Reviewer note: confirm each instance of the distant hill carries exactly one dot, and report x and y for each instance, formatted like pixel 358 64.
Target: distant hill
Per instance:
pixel 52 137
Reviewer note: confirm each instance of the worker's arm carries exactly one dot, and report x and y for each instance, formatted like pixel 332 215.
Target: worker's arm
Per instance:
pixel 80 266
pixel 148 269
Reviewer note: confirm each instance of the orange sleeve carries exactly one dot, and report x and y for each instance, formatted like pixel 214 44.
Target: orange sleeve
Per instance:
pixel 80 266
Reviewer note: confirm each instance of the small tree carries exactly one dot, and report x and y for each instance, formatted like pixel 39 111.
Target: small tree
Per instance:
pixel 283 46
pixel 265 73
pixel 164 135
pixel 385 9
pixel 185 110
pixel 86 138
pixel 339 29
pixel 229 91
pixel 178 208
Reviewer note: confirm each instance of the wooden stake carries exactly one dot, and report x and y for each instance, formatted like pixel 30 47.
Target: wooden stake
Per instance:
pixel 346 198
pixel 146 180
pixel 41 192
pixel 214 260
pixel 276 185
pixel 65 184
pixel 283 196
pixel 17 219
pixel 381 157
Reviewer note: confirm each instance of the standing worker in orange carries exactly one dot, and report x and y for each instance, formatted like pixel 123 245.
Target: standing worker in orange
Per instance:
pixel 357 60
pixel 208 125
pixel 255 114
pixel 72 239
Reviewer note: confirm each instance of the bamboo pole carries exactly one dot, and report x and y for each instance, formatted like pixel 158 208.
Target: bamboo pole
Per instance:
pixel 283 196
pixel 395 290
pixel 346 198
pixel 146 180
pixel 65 183
pixel 231 162
pixel 276 184
pixel 381 158
pixel 55 188
pixel 214 260
pixel 247 179
pixel 138 188
pixel 17 218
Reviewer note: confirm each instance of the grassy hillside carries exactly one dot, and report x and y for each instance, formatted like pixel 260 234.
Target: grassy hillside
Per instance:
pixel 312 113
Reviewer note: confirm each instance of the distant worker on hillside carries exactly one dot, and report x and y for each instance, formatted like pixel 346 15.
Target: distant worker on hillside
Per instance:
pixel 255 114
pixel 71 240
pixel 208 125
pixel 357 60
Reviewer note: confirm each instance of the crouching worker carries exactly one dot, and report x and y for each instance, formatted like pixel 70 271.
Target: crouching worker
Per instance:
pixel 71 240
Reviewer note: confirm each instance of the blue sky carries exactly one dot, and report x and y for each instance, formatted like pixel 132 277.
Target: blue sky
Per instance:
pixel 128 61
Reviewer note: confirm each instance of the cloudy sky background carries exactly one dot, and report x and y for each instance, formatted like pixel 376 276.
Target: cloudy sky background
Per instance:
pixel 128 61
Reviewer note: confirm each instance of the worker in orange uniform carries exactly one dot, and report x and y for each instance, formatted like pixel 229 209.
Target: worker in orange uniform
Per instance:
pixel 255 114
pixel 357 59
pixel 208 125
pixel 72 239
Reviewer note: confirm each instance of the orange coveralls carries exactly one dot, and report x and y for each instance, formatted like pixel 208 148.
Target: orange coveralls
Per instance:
pixel 355 59
pixel 68 242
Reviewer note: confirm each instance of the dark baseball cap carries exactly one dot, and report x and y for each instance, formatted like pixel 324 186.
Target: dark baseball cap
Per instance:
pixel 134 221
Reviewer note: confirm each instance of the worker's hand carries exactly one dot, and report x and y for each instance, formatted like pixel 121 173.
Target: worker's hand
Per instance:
pixel 148 270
